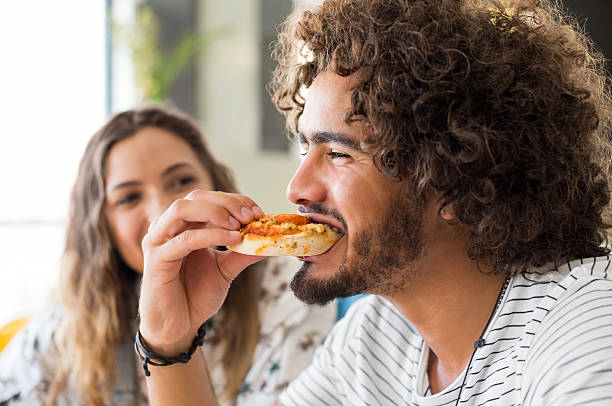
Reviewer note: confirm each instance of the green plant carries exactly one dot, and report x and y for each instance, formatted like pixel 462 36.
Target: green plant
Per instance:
pixel 155 70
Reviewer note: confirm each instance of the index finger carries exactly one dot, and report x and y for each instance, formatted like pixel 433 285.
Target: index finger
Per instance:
pixel 241 207
pixel 183 213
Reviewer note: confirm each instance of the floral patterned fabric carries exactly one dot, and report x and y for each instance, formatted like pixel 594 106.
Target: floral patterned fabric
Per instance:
pixel 289 333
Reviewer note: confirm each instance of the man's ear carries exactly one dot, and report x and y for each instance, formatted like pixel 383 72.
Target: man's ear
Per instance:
pixel 446 212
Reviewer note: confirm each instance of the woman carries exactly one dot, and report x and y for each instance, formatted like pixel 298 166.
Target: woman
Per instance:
pixel 82 353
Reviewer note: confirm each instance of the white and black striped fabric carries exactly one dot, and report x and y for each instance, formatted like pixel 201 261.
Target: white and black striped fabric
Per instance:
pixel 549 344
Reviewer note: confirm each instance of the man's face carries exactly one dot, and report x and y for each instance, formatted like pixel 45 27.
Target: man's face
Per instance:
pixel 337 183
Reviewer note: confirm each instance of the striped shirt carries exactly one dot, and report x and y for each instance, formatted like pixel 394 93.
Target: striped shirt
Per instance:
pixel 549 343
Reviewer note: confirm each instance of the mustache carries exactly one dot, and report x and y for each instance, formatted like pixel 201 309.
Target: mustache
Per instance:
pixel 318 208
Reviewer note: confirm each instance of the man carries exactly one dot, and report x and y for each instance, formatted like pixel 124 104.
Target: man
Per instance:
pixel 463 148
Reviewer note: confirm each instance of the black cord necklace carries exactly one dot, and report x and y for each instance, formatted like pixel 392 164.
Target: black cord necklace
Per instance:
pixel 481 341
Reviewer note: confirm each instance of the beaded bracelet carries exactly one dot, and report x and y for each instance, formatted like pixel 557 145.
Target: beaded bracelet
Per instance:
pixel 148 357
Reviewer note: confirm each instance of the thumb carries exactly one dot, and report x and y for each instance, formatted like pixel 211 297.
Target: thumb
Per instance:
pixel 232 263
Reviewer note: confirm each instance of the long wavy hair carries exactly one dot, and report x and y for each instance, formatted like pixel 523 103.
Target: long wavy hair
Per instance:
pixel 501 108
pixel 99 291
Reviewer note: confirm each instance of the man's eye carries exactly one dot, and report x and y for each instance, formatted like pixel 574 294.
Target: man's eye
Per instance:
pixel 303 148
pixel 336 154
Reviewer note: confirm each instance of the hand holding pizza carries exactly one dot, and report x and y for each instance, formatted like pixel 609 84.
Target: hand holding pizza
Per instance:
pixel 185 278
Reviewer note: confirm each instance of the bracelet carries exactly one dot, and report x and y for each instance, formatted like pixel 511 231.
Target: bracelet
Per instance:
pixel 148 357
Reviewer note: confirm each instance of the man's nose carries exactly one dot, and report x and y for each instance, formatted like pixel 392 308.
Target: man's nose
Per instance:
pixel 307 184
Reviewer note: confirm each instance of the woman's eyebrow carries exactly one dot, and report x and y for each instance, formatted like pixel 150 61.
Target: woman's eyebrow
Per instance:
pixel 128 183
pixel 174 167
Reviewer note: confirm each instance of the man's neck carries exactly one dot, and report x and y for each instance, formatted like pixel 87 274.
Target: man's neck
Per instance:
pixel 449 303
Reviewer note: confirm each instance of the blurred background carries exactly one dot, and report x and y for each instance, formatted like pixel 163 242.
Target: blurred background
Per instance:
pixel 68 64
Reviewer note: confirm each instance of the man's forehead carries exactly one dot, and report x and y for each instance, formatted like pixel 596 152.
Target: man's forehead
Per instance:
pixel 330 90
pixel 327 104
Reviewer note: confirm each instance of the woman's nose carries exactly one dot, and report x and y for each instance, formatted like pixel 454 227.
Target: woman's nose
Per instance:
pixel 156 205
pixel 306 184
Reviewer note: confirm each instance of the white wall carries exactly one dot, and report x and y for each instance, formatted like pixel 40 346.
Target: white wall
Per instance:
pixel 52 76
pixel 229 108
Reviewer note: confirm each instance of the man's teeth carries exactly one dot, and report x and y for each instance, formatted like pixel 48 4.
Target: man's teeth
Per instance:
pixel 336 229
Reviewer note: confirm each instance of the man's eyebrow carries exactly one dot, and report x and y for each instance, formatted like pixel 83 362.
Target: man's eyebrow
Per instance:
pixel 324 137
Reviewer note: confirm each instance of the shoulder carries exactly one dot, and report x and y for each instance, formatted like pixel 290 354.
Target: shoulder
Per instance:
pixel 589 287
pixel 571 344
pixel 35 338
pixel 580 303
pixel 577 297
pixel 24 361
pixel 576 285
pixel 550 289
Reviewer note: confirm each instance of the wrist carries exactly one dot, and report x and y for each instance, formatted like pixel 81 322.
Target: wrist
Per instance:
pixel 167 349
pixel 155 357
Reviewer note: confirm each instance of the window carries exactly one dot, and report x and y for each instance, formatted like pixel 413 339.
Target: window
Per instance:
pixel 53 99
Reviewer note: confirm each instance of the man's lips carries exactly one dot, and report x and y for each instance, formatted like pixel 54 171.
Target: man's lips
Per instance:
pixel 330 221
pixel 313 258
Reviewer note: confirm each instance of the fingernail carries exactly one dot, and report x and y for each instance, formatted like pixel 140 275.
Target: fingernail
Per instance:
pixel 246 212
pixel 234 222
pixel 234 233
pixel 257 210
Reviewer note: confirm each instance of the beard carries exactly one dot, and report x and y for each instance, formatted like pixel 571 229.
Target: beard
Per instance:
pixel 383 256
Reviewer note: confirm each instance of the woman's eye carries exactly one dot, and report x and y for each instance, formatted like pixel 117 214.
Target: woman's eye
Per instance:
pixel 130 198
pixel 183 181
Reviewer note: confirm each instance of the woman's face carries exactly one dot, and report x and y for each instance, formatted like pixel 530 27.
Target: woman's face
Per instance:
pixel 144 175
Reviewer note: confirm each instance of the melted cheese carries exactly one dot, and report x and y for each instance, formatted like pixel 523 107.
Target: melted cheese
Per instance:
pixel 282 224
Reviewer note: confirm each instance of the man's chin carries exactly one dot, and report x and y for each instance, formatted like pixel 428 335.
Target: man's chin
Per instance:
pixel 315 290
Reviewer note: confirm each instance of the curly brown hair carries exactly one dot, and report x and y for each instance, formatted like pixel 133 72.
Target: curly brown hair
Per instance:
pixel 501 109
